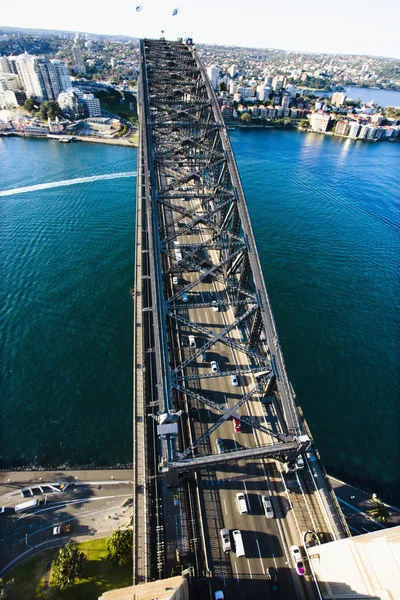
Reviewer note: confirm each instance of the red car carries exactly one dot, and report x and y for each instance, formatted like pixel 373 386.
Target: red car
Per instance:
pixel 237 425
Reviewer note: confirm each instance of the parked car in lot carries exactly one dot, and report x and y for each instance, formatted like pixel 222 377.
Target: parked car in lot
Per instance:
pixel 267 505
pixel 214 366
pixel 234 380
pixel 220 446
pixel 226 540
pixel 237 425
pixel 215 306
pixel 298 562
pixel 62 529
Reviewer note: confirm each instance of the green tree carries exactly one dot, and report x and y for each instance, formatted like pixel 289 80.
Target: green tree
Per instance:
pixel 379 511
pixel 50 109
pixel 3 590
pixel 246 117
pixel 29 104
pixel 68 566
pixel 119 546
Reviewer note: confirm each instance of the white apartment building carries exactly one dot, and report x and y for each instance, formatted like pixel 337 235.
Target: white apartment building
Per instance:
pixel 79 66
pixel 263 92
pixel 354 129
pixel 319 122
pixel 9 81
pixel 4 66
pixel 213 74
pixel 92 105
pixel 62 75
pixel 246 92
pixel 338 98
pixel 285 101
pixel 292 90
pixel 232 70
pixel 46 74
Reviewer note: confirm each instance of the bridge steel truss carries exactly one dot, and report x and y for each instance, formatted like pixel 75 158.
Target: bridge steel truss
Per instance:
pixel 189 156
pixel 188 183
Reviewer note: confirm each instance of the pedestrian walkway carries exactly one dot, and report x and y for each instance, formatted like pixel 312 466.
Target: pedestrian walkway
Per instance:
pixel 355 503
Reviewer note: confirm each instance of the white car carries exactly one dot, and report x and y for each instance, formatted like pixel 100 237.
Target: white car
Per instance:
pixel 214 366
pixel 267 504
pixel 300 462
pixel 175 280
pixel 234 380
pixel 219 595
pixel 226 540
pixel 192 341
pixel 214 306
pixel 298 562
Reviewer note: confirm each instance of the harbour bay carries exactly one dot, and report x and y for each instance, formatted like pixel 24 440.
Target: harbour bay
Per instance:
pixel 325 219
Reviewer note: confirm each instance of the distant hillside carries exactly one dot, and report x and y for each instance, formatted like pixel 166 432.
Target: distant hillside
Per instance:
pixel 52 32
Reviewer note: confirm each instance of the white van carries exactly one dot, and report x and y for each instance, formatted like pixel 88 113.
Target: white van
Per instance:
pixel 192 341
pixel 238 541
pixel 241 503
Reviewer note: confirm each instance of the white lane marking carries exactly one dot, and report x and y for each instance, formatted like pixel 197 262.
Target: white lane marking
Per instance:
pixel 226 510
pixel 248 562
pixel 236 571
pixel 208 320
pixel 259 553
pixel 244 485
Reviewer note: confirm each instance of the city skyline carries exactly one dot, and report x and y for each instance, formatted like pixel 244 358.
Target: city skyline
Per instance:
pixel 307 27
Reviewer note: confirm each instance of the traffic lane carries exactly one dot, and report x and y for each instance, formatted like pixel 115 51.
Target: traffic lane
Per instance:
pixel 86 518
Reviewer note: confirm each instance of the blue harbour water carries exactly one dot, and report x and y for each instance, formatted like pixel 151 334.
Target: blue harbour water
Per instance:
pixel 326 220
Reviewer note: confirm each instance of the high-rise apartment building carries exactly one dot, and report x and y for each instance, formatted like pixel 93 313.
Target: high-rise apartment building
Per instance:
pixel 92 105
pixel 46 75
pixel 62 75
pixel 79 66
pixel 213 74
pixel 338 98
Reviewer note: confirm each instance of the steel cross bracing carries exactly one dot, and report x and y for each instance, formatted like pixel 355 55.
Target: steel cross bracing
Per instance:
pixel 189 145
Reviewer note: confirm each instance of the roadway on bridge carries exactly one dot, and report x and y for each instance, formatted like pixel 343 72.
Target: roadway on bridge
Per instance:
pixel 266 541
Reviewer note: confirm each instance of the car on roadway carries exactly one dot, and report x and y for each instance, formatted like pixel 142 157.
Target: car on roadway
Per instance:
pixel 300 462
pixel 309 539
pixel 214 366
pixel 219 595
pixel 220 446
pixel 185 297
pixel 226 540
pixel 203 357
pixel 273 580
pixel 298 562
pixel 241 504
pixel 234 380
pixel 2 510
pixel 215 306
pixel 292 482
pixel 192 341
pixel 237 425
pixel 267 505
pixel 175 280
pixel 62 529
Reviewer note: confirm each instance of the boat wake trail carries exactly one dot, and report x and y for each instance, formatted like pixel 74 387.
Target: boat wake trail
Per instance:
pixel 55 184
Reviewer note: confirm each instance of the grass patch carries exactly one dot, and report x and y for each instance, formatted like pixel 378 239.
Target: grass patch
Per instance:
pixel 116 108
pixel 99 576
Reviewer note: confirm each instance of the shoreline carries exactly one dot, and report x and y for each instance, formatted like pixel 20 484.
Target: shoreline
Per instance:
pixel 71 138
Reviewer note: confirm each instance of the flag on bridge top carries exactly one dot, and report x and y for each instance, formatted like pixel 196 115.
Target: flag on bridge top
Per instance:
pixel 139 8
pixel 175 11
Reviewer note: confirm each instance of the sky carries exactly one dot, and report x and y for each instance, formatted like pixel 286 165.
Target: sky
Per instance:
pixel 342 26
